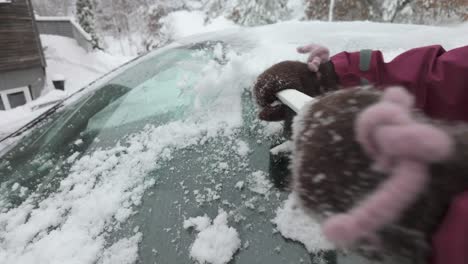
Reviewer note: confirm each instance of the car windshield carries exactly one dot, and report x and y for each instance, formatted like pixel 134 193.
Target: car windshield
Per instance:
pixel 119 175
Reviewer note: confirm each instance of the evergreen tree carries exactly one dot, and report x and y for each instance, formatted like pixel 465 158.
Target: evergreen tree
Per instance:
pixel 85 15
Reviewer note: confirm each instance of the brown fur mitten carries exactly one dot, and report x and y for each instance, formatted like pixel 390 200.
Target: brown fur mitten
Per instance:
pixel 334 174
pixel 290 75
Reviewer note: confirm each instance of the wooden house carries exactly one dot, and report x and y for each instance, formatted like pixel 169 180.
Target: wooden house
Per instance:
pixel 22 62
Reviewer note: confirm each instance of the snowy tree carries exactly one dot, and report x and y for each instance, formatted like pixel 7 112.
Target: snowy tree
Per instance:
pixel 431 11
pixel 153 37
pixel 395 11
pixel 141 25
pixel 54 7
pixel 154 31
pixel 85 16
pixel 251 13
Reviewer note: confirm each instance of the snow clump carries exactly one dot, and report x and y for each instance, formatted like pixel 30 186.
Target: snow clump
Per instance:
pixel 293 223
pixel 216 243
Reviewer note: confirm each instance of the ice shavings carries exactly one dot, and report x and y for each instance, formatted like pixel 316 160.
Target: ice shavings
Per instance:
pixel 73 157
pixel 259 183
pixel 217 242
pixel 23 191
pixel 200 223
pixel 207 195
pixel 272 128
pixel 293 223
pixel 239 185
pixel 242 148
pixel 20 190
pixel 223 166
pixel 15 186
pixel 124 251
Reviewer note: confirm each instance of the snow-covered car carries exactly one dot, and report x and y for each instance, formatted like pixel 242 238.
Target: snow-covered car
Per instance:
pixel 164 160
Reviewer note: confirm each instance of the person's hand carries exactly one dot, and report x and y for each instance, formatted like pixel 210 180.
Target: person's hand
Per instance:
pixel 317 55
pixel 313 78
pixel 281 76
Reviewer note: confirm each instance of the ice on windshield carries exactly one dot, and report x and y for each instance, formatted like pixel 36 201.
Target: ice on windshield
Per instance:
pixel 170 90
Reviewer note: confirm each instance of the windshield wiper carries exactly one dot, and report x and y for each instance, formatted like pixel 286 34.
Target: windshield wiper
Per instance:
pixel 35 121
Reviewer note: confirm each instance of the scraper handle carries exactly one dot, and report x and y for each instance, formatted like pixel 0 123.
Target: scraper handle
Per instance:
pixel 294 99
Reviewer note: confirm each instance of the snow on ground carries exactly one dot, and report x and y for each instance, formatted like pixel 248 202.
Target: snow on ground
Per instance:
pixel 64 57
pixel 79 67
pixel 105 187
pixel 215 243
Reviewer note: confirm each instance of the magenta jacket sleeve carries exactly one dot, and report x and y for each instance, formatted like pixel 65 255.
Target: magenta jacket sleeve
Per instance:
pixel 450 242
pixel 437 78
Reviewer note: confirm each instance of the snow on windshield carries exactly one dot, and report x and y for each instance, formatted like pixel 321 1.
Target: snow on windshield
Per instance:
pixel 294 224
pixel 215 243
pixel 105 187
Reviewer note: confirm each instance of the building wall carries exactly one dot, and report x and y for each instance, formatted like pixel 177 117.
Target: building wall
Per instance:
pixel 19 39
pixel 22 62
pixel 32 77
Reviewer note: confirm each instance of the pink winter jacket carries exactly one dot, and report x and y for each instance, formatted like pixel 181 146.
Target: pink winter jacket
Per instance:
pixel 439 81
